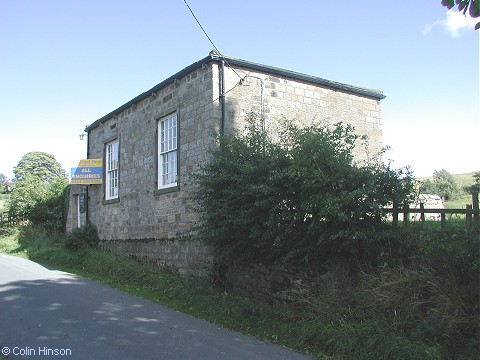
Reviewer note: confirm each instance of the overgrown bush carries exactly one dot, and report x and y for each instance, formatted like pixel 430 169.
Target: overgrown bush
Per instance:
pixel 51 211
pixel 82 238
pixel 40 202
pixel 301 200
pixel 40 195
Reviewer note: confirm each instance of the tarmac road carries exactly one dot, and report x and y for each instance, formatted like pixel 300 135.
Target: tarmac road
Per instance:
pixel 49 314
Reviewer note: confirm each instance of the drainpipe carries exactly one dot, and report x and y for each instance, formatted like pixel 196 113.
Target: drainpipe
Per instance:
pixel 222 96
pixel 215 55
pixel 86 194
pixel 262 100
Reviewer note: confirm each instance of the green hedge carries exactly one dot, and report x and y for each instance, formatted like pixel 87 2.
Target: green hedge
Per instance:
pixel 40 202
pixel 301 200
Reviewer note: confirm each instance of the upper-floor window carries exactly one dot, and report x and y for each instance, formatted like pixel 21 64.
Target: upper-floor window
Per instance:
pixel 111 170
pixel 167 152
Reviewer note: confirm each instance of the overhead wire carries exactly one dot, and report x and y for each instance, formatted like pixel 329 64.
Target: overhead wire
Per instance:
pixel 211 42
pixel 240 82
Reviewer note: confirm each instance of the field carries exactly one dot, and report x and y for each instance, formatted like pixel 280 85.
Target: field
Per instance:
pixel 460 199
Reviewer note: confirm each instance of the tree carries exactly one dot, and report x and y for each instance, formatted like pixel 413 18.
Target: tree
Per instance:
pixel 41 165
pixel 476 178
pixel 40 192
pixel 445 183
pixel 472 6
pixel 428 187
pixel 3 183
pixel 476 183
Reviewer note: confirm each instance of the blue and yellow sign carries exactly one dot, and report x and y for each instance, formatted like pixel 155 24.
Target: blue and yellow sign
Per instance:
pixel 87 172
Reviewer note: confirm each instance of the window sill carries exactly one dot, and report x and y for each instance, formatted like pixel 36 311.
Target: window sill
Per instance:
pixel 111 201
pixel 167 190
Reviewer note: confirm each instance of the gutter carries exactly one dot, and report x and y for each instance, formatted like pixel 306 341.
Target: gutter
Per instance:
pixel 270 70
pixel 292 75
pixel 148 93
pixel 87 220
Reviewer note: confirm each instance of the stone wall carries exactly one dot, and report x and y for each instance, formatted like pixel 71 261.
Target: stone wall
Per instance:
pixel 266 282
pixel 77 215
pixel 143 221
pixel 141 212
pixel 429 202
pixel 280 98
pixel 180 256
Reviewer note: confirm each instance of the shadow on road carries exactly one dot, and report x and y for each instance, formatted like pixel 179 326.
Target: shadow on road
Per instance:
pixel 43 308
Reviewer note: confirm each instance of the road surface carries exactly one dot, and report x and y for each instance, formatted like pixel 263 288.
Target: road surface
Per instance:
pixel 49 314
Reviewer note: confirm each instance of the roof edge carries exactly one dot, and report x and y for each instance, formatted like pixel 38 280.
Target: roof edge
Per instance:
pixel 148 93
pixel 371 93
pixel 213 56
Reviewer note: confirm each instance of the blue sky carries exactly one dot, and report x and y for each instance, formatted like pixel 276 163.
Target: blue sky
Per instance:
pixel 64 64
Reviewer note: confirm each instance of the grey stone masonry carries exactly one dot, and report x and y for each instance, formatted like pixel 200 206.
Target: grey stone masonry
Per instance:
pixel 275 98
pixel 77 207
pixel 180 256
pixel 143 213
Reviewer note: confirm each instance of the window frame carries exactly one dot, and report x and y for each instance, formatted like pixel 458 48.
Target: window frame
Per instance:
pixel 167 152
pixel 112 173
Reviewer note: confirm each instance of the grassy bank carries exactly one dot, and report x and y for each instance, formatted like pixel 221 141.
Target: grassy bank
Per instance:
pixel 192 296
pixel 423 306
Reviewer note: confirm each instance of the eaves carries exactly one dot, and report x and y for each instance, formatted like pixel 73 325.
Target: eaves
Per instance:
pixel 238 63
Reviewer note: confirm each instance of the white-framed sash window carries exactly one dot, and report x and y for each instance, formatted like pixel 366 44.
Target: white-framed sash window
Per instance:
pixel 111 170
pixel 167 152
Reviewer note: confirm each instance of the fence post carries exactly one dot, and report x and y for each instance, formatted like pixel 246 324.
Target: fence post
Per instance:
pixel 443 222
pixel 406 212
pixel 468 217
pixel 476 216
pixel 395 214
pixel 422 214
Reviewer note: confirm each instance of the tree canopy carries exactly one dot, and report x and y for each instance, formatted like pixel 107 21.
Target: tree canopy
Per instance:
pixel 41 191
pixel 445 183
pixel 3 182
pixel 40 165
pixel 472 6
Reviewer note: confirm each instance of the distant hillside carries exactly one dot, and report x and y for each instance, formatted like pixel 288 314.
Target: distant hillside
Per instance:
pixel 458 201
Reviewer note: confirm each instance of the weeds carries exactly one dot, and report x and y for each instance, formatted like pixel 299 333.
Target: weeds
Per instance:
pixel 422 302
pixel 82 238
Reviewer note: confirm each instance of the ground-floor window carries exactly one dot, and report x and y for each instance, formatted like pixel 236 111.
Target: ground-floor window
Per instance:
pixel 111 170
pixel 167 152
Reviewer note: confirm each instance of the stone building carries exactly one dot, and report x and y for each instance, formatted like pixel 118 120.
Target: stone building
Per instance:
pixel 152 143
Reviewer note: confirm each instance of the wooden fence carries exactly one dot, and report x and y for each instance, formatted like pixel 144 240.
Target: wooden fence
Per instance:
pixel 471 212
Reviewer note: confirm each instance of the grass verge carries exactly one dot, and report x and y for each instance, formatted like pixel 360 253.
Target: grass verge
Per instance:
pixel 192 296
pixel 425 308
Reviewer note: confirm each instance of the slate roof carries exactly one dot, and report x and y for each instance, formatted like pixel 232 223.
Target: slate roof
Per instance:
pixel 238 63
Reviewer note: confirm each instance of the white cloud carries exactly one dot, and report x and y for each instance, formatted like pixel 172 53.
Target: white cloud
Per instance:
pixel 453 23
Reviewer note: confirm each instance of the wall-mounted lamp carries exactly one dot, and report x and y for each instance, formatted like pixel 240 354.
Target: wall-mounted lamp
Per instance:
pixel 81 136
